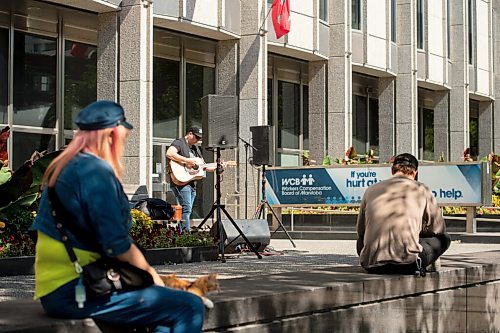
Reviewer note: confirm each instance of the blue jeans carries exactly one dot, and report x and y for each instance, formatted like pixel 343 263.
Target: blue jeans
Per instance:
pixel 170 310
pixel 185 196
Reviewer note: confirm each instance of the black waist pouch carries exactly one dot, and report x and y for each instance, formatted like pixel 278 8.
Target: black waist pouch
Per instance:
pixel 109 274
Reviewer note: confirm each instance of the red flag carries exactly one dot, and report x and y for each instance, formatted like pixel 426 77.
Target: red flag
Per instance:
pixel 281 17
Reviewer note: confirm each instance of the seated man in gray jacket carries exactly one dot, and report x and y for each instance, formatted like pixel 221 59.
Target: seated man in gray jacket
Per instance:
pixel 400 226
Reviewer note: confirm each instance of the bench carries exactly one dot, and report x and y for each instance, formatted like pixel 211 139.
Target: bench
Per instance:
pixel 461 297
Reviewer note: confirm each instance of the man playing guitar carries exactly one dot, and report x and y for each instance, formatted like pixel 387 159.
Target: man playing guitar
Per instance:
pixel 186 154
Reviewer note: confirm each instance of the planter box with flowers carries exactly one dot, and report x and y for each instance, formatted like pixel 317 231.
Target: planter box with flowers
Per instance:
pixel 162 245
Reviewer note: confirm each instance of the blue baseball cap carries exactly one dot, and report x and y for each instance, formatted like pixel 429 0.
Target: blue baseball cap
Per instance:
pixel 101 114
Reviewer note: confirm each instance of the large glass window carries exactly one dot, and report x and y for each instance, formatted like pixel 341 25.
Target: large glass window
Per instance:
pixel 200 81
pixel 270 120
pixel 166 109
pixel 471 20
pixel 474 128
pixel 183 73
pixel 54 75
pixel 305 117
pixel 365 133
pixel 4 65
pixel 359 123
pixel 393 20
pixel 288 115
pixel 420 24
pixel 448 28
pixel 356 14
pixel 288 109
pixel 323 10
pixel 80 79
pixel 34 80
pixel 426 134
pixel 373 132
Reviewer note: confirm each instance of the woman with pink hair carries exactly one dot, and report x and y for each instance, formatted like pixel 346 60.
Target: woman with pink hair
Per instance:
pixel 86 178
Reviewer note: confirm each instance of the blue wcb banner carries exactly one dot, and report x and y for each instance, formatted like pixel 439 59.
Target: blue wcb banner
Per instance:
pixel 450 183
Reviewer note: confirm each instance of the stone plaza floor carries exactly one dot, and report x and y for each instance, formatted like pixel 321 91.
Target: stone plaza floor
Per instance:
pixel 282 257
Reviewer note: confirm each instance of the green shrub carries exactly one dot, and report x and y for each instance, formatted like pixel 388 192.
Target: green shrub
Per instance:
pixel 14 238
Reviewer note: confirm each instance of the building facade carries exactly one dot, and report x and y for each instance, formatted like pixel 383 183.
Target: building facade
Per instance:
pixel 391 76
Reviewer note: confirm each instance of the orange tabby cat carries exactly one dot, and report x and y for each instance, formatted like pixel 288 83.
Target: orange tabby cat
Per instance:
pixel 201 286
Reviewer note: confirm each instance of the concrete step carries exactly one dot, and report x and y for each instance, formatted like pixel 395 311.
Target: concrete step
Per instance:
pixel 460 297
pixel 480 237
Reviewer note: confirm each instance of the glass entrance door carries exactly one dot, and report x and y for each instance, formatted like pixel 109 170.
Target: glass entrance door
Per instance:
pixel 160 182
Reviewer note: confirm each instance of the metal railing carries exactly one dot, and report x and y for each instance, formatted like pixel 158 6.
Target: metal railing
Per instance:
pixel 323 210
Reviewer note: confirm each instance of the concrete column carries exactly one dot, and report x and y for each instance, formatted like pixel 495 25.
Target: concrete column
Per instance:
pixel 252 86
pixel 386 118
pixel 485 129
pixel 107 56
pixel 317 116
pixel 441 125
pixel 227 84
pixel 496 86
pixel 340 79
pixel 406 83
pixel 459 82
pixel 135 93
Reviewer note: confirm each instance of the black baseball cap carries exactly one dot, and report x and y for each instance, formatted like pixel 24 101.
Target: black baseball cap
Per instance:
pixel 196 131
pixel 406 159
pixel 101 114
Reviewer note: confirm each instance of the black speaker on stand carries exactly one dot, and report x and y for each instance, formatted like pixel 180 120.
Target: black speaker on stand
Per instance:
pixel 219 116
pixel 220 131
pixel 263 141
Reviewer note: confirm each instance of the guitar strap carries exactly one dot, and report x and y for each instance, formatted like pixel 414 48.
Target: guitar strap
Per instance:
pixel 185 149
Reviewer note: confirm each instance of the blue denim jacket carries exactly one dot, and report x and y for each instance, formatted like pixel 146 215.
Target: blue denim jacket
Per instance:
pixel 91 193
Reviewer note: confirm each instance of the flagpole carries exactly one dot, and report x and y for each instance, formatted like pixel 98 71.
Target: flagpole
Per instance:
pixel 265 19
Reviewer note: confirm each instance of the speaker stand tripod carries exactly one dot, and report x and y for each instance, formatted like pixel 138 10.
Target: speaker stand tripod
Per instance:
pixel 219 209
pixel 261 207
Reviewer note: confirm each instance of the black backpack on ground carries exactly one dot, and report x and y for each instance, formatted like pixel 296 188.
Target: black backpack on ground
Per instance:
pixel 156 209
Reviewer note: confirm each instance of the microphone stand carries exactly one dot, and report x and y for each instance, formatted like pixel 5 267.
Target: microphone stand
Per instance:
pixel 247 144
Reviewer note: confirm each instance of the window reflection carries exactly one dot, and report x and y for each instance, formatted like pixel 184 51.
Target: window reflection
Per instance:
pixel 305 117
pixel 288 160
pixel 365 128
pixel 270 120
pixel 393 20
pixel 4 56
pixel 165 98
pixel 356 14
pixel 34 80
pixel 80 79
pixel 474 128
pixel 420 24
pixel 374 128
pixel 288 115
pixel 200 81
pixel 359 123
pixel 323 10
pixel 26 143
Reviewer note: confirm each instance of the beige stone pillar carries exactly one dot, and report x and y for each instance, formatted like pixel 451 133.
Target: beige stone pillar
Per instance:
pixel 135 93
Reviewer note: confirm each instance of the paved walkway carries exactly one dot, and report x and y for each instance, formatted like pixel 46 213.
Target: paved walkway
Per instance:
pixel 309 255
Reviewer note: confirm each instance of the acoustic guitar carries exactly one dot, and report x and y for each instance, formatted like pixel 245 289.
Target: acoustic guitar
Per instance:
pixel 182 174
